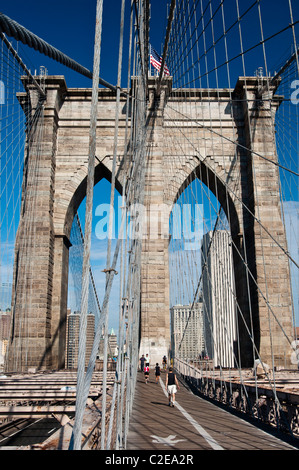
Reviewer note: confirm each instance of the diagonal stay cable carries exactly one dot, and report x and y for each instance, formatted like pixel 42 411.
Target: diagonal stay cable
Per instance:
pixel 234 142
pixel 110 226
pixel 20 61
pixel 244 205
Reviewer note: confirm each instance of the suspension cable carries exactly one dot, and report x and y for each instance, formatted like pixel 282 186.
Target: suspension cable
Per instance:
pixel 14 29
pixel 80 402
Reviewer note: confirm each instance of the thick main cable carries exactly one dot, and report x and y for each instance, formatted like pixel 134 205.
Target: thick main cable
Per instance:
pixel 15 30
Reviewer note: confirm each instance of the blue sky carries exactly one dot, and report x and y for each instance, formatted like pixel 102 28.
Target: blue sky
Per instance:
pixel 69 26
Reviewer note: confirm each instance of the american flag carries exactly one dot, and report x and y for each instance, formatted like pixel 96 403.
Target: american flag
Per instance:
pixel 156 61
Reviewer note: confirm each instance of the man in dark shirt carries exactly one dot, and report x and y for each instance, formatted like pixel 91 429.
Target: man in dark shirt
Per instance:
pixel 172 385
pixel 142 361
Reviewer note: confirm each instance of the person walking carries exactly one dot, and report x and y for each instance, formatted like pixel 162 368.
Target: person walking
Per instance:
pixel 142 361
pixel 146 373
pixel 147 360
pixel 157 372
pixel 172 385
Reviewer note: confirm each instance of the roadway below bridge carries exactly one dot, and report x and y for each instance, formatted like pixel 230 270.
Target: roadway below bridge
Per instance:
pixel 37 410
pixel 192 424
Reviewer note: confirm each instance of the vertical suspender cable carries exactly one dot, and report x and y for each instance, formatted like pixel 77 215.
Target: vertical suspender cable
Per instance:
pixel 121 363
pixel 80 404
pixel 170 18
pixel 20 61
pixel 294 35
pixel 110 229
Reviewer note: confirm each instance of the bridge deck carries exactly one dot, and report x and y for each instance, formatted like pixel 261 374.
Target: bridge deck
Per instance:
pixel 193 424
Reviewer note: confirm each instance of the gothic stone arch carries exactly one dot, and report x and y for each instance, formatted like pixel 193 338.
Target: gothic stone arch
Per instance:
pixel 194 132
pixel 60 186
pixel 59 169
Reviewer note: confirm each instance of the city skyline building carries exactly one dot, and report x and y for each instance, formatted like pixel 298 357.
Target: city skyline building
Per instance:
pixel 218 290
pixel 5 320
pixel 187 333
pixel 72 343
pixel 112 345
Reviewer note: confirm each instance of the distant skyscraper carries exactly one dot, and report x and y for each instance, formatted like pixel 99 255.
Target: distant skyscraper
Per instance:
pixel 5 318
pixel 73 326
pixel 5 295
pixel 187 331
pixel 112 345
pixel 218 298
pixel 112 340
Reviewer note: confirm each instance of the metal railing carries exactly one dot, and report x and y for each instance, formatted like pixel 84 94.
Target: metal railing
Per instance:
pixel 252 396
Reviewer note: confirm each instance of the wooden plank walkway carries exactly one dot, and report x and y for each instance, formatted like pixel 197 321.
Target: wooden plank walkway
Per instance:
pixel 193 424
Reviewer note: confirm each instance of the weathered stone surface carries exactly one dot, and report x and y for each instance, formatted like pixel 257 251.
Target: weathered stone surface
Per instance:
pixel 190 135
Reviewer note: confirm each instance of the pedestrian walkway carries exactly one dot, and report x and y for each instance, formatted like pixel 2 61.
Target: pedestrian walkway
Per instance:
pixel 193 424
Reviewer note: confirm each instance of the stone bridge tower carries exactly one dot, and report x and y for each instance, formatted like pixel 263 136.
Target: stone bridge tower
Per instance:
pixel 55 181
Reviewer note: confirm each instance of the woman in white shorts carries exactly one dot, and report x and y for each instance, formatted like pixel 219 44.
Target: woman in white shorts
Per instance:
pixel 171 386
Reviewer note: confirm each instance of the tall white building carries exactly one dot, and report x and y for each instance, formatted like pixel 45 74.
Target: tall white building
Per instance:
pixel 218 290
pixel 112 345
pixel 72 344
pixel 187 339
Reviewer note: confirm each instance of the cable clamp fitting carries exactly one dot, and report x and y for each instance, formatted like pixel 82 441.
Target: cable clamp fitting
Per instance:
pixel 108 270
